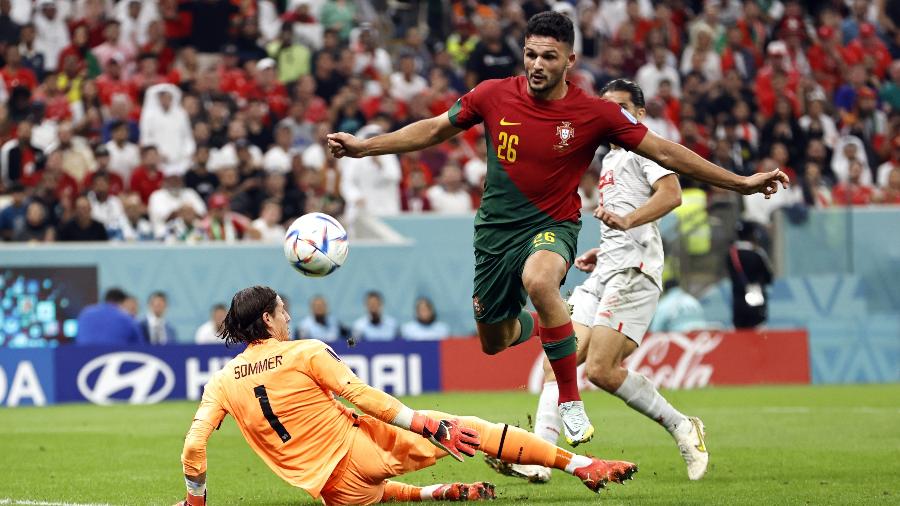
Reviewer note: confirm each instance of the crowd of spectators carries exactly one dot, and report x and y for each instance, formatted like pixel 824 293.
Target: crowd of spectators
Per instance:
pixel 116 320
pixel 205 120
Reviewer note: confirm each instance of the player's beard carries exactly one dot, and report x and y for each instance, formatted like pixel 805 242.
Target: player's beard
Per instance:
pixel 548 83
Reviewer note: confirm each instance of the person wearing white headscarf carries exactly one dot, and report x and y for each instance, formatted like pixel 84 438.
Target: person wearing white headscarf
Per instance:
pixel 371 185
pixel 52 34
pixel 165 124
pixel 848 148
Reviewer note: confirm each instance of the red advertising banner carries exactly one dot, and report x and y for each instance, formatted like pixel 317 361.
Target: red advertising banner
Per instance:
pixel 669 360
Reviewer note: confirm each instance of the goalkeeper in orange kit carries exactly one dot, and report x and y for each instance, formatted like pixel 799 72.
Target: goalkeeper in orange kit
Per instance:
pixel 282 393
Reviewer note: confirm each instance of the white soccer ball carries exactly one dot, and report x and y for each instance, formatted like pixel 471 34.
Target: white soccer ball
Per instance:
pixel 316 245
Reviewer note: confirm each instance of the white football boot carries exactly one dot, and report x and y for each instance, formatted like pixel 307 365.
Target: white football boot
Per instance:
pixel 691 438
pixel 576 426
pixel 528 472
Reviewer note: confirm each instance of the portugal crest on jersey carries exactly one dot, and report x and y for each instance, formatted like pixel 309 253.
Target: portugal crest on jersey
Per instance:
pixel 566 132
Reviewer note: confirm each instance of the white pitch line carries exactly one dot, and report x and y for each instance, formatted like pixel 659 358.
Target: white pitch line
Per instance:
pixel 29 502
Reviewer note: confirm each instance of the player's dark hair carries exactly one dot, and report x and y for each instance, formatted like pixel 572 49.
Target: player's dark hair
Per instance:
pixel 374 293
pixel 626 85
pixel 115 296
pixel 158 293
pixel 244 321
pixel 551 24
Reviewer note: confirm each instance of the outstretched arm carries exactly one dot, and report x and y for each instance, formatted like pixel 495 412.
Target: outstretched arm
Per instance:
pixel 682 160
pixel 413 137
pixel 331 373
pixel 193 457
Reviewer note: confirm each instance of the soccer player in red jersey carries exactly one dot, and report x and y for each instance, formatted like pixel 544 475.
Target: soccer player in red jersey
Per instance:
pixel 542 134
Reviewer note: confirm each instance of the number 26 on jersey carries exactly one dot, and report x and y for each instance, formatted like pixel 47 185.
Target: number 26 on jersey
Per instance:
pixel 506 151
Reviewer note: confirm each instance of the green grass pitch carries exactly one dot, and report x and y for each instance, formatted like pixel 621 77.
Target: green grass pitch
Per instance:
pixel 771 445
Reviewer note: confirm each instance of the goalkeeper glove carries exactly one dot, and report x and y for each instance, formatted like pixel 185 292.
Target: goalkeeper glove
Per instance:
pixel 447 435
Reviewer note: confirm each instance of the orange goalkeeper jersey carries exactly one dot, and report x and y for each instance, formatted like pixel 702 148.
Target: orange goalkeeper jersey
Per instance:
pixel 280 394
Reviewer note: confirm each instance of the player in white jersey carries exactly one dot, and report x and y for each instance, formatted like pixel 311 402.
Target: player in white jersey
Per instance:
pixel 612 309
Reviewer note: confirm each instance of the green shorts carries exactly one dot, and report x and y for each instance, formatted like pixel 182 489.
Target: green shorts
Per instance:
pixel 499 293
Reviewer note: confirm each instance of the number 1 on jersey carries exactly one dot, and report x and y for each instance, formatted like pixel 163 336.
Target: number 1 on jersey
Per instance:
pixel 506 151
pixel 270 415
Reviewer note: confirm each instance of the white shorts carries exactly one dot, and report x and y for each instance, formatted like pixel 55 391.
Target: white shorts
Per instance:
pixel 624 301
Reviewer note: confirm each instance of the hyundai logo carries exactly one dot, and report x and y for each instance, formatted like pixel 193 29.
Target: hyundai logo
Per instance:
pixel 111 379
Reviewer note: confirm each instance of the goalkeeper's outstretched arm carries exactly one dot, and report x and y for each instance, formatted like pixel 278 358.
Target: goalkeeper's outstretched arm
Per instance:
pixel 334 375
pixel 193 461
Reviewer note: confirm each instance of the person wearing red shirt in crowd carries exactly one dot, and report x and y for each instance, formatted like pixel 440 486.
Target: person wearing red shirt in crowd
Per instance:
pixel 439 95
pixel 52 176
pixel 101 156
pixel 869 50
pixel 14 74
pixel 111 82
pixel 81 50
pixel 853 192
pixel 232 78
pixel 665 92
pixel 221 224
pixel 754 28
pixel 826 59
pixel 267 87
pixel 777 64
pixel 157 45
pixel 305 91
pixel 737 56
pixel 147 178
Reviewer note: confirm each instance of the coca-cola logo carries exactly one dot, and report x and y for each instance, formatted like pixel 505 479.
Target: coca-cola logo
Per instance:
pixel 669 360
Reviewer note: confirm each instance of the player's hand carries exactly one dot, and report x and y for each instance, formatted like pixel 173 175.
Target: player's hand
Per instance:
pixel 343 144
pixel 587 261
pixel 447 435
pixel 765 183
pixel 611 219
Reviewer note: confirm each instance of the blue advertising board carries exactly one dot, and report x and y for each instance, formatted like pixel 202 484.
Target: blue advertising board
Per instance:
pixel 150 374
pixel 27 377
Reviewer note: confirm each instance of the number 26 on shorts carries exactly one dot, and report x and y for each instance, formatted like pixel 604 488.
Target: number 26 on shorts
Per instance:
pixel 543 238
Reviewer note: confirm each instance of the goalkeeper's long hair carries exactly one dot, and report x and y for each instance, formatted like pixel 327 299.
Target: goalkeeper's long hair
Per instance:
pixel 244 322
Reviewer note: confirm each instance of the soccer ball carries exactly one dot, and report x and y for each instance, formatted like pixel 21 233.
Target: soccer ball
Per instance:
pixel 316 245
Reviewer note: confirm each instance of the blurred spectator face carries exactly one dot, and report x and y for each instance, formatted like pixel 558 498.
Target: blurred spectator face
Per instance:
pixel 65 133
pixel 424 311
pixel 407 66
pixel 134 9
pixel 13 58
pixel 54 162
pixel 490 30
pixel 813 173
pixel 659 55
pixel 857 76
pixel 150 158
pixel 165 100
pixel 741 111
pixel 780 154
pixel 191 105
pixel 664 91
pixel 157 306
pixel 134 209
pixel 48 10
pixel 228 177
pixel 201 132
pixel 149 66
pixel 80 36
pixel 374 305
pixel 218 316
pixel 856 171
pixel 271 213
pixel 324 64
pixel 417 181
pixel 111 32
pixel 451 177
pixel 101 186
pixel 894 180
pixel 83 210
pixel 867 103
pixel 120 106
pixel 283 136
pixel 130 306
pixel 318 307
pixel 783 108
pixel 35 214
pixel 850 151
pixel 70 65
pixel 236 130
pixel 27 34
pixel 815 150
pixel 723 149
pixel 120 133
pixel 173 183
pixel 275 183
pixel 23 133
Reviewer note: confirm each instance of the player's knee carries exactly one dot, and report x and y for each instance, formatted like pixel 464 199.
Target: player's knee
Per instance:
pixel 540 288
pixel 601 376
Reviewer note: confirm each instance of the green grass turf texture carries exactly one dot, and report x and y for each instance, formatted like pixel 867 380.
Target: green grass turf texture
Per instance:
pixel 768 445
